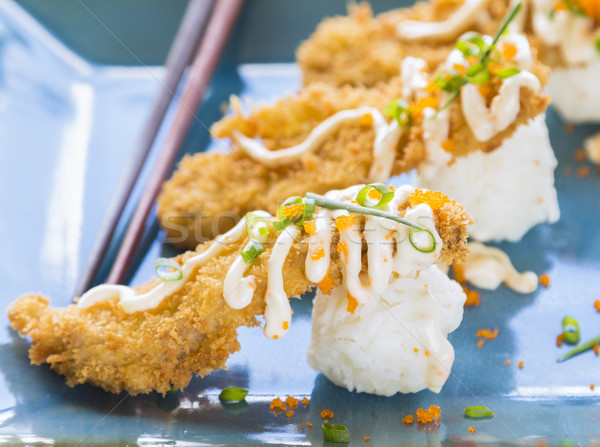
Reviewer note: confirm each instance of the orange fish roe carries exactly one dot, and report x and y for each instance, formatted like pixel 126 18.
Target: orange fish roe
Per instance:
pixel 592 386
pixel 596 349
pixel 275 337
pixel 473 297
pixel 277 404
pixel 426 353
pixel 317 254
pixel 583 171
pixel 507 362
pixel 434 414
pixel 495 67
pixel 292 402
pixel 326 284
pixel 345 222
pixel 373 194
pixel 579 155
pixel 487 333
pixel 309 425
pixel 415 350
pixel 509 51
pixel 367 438
pixel 459 273
pixel 305 401
pixel 310 227
pixel 293 210
pixel 408 419
pixel 326 414
pixel 285 325
pixel 569 128
pixel 471 429
pixel 597 305
pixel 480 343
pixel 352 303
pixel 342 248
pixel 366 120
pixel 520 364
pixel 484 90
pixel 460 69
pixel 289 414
pixel 434 199
pixel 448 146
pixel 436 411
pixel 545 280
pixel 560 340
pixel 428 101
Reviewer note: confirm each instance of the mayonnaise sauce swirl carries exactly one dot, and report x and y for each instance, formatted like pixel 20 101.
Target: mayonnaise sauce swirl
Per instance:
pixel 446 30
pixel 238 289
pixel 384 146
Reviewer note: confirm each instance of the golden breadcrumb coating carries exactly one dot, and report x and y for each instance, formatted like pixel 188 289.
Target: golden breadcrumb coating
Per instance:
pixel 209 192
pixel 360 49
pixel 193 331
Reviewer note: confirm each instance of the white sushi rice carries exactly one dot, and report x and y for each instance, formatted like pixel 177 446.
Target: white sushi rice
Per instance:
pixel 575 93
pixel 373 350
pixel 508 190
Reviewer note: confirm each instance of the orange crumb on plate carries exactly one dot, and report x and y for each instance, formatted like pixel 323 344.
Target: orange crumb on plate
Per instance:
pixel 326 414
pixel 471 429
pixel 520 364
pixel 545 280
pixel 408 419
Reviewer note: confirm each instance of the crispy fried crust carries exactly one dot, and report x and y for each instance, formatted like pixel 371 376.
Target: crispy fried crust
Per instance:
pixel 360 49
pixel 193 331
pixel 209 192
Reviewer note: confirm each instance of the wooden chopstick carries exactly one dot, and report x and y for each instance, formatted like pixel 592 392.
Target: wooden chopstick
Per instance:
pixel 213 42
pixel 180 55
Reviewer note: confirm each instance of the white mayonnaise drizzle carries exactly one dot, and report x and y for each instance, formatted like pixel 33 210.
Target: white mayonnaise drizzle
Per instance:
pixel 319 247
pixel 132 302
pixel 384 147
pixel 449 29
pixel 413 76
pixel 238 290
pixel 487 122
pixel 573 34
pixel 278 311
pixel 488 267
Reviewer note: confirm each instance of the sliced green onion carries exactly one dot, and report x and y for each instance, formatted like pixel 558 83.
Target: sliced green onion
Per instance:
pixel 335 433
pixel 165 275
pixel 509 18
pixel 478 412
pixel 481 78
pixel 423 244
pixel 571 330
pixel 308 209
pixel 251 252
pixel 508 72
pixel 598 45
pixel 400 111
pixel 450 81
pixel 386 195
pixel 331 204
pixel 258 228
pixel 233 394
pixel 586 346
pixel 475 69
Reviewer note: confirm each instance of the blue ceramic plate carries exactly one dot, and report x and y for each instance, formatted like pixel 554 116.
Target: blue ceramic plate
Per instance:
pixel 72 102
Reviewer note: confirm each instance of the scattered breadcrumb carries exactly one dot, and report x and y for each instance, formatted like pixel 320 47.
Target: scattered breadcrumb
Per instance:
pixel 560 340
pixel 487 334
pixel 367 438
pixel 507 362
pixel 309 425
pixel 520 364
pixel 480 343
pixel 473 297
pixel 326 414
pixel 289 414
pixel 545 280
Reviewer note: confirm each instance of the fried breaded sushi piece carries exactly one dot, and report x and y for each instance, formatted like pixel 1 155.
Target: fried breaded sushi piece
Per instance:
pixel 209 192
pixel 360 49
pixel 157 336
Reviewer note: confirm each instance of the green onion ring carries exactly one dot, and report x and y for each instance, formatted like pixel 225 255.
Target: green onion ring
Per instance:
pixel 335 433
pixel 428 249
pixel 166 275
pixel 251 252
pixel 478 412
pixel 233 394
pixel 386 195
pixel 571 330
pixel 258 228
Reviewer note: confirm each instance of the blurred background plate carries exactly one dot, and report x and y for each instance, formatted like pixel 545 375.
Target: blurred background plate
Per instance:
pixel 76 81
